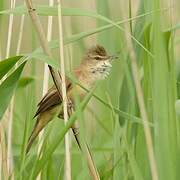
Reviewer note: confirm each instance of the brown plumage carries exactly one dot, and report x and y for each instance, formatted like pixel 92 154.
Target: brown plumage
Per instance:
pixel 95 65
pixel 47 109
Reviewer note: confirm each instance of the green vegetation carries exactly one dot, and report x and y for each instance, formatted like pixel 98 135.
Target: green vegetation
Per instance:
pixel 110 117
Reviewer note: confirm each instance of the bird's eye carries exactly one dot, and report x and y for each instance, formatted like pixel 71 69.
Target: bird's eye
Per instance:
pixel 97 58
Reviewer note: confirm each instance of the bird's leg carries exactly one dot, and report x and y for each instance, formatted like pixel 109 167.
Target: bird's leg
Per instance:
pixel 75 130
pixel 75 127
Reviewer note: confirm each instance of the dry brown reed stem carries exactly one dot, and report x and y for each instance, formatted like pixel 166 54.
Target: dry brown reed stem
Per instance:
pixel 64 96
pixel 85 149
pixel 91 165
pixel 140 97
pixel 44 43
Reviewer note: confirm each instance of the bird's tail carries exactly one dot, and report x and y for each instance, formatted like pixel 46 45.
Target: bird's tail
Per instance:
pixel 42 121
pixel 36 130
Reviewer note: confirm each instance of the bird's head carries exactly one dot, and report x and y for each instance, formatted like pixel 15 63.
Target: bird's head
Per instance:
pixel 98 61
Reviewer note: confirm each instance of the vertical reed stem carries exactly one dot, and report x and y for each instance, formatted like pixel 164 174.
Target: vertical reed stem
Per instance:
pixel 10 108
pixel 46 74
pixel 64 95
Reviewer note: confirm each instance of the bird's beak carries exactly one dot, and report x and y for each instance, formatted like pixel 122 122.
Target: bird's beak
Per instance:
pixel 113 57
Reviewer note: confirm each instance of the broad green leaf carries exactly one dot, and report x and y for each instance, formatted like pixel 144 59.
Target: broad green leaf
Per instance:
pixel 7 88
pixel 164 96
pixel 7 64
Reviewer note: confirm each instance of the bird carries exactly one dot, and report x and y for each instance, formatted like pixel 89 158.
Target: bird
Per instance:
pixel 95 65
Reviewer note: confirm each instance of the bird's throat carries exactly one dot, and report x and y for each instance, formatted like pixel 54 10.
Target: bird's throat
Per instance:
pixel 89 74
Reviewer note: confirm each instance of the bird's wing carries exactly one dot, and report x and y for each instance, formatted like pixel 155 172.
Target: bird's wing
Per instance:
pixel 51 99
